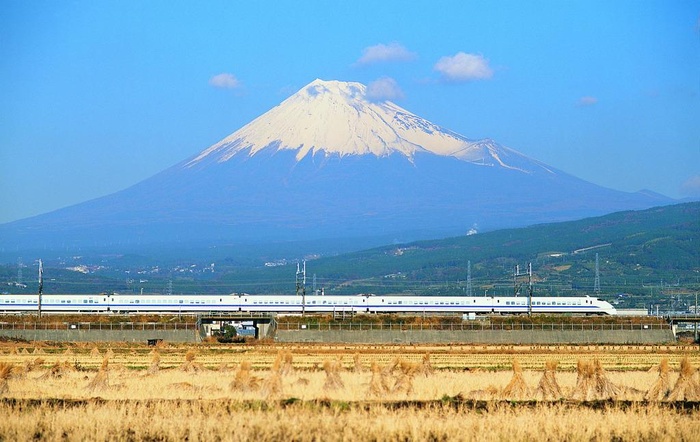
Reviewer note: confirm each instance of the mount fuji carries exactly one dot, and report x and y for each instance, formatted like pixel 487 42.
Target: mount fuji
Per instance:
pixel 330 162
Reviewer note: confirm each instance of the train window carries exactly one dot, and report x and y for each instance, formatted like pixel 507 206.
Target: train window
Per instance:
pixel 221 300
pixel 181 301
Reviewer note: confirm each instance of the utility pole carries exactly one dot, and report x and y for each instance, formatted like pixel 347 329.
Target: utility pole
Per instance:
pixel 696 316
pixel 517 285
pixel 596 282
pixel 529 281
pixel 41 284
pixel 469 278
pixel 301 286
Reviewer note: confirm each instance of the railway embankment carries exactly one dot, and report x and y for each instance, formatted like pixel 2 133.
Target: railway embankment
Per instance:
pixel 478 332
pixel 523 333
pixel 101 332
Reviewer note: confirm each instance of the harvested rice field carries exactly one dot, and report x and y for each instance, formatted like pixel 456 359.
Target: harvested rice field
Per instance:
pixel 339 392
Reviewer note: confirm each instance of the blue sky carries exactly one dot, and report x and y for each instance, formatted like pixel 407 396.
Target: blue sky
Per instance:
pixel 96 96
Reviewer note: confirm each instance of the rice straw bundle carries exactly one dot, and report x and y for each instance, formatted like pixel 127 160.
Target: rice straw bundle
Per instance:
pixel 686 388
pixel 604 388
pixel 662 387
pixel 5 374
pixel 585 386
pixel 155 363
pixel 190 366
pixel 243 380
pixel 548 388
pixel 333 380
pixel 101 380
pixel 517 388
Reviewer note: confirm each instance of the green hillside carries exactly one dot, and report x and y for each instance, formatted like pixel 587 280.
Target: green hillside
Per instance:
pixel 647 254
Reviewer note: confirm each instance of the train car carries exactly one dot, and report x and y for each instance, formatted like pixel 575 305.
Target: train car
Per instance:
pixel 54 303
pixel 425 304
pixel 242 302
pixel 173 303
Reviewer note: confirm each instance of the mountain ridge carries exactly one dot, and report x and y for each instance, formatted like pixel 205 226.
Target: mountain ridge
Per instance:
pixel 261 183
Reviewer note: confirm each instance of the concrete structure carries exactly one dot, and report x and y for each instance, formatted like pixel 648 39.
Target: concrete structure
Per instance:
pixel 141 336
pixel 641 336
pixel 87 332
pixel 263 324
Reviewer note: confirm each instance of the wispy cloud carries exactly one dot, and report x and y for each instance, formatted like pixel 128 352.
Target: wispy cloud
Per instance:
pixel 587 101
pixel 385 88
pixel 691 186
pixel 225 81
pixel 464 67
pixel 381 53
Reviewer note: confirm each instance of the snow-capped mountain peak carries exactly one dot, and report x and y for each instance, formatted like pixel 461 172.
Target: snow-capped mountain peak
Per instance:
pixel 337 118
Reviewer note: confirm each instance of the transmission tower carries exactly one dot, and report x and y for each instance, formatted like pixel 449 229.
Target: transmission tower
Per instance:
pixel 469 278
pixel 169 289
pixel 596 283
pixel 19 271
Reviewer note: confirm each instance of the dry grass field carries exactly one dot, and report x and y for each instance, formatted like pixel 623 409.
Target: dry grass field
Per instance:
pixel 338 392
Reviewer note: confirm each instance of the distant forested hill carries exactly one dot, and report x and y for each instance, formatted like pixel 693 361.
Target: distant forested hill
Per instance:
pixel 648 256
pixel 652 254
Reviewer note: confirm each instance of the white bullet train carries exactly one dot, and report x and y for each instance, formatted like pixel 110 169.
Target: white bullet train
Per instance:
pixel 242 302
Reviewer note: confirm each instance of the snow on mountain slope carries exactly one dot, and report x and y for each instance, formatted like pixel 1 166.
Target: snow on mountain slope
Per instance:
pixel 336 117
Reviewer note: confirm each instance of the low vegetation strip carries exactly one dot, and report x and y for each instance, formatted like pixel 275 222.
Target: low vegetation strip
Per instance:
pixel 456 403
pixel 322 420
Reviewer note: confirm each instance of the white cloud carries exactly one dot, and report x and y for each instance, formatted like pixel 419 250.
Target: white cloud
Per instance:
pixel 381 52
pixel 691 186
pixel 587 101
pixel 385 88
pixel 225 81
pixel 464 67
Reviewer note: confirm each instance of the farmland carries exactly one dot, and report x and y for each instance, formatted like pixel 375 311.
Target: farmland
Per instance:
pixel 341 392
